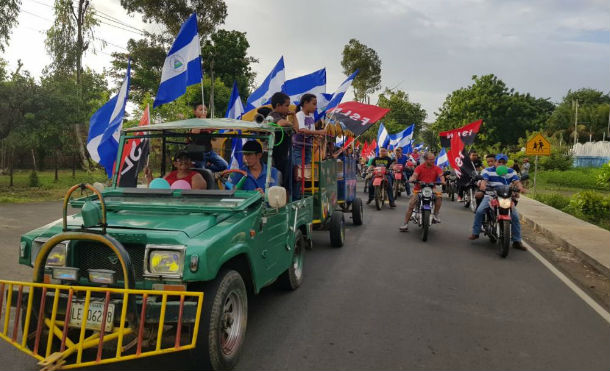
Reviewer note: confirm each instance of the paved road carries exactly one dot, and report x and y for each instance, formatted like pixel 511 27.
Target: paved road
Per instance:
pixel 388 301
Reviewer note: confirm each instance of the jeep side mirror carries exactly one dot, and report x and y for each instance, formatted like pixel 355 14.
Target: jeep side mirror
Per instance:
pixel 276 197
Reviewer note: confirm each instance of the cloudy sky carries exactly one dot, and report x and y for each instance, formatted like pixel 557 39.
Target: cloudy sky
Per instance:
pixel 428 48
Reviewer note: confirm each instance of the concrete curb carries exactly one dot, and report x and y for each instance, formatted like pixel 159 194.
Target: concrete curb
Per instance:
pixel 554 235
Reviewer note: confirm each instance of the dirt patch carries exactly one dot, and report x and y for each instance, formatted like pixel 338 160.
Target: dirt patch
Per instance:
pixel 582 274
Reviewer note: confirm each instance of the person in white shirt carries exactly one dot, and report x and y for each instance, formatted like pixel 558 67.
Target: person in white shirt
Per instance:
pixel 302 140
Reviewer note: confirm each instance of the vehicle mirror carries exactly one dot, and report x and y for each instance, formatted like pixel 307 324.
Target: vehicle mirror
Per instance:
pixel 276 197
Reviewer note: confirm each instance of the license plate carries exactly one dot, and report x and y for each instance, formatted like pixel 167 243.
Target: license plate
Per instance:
pixel 94 317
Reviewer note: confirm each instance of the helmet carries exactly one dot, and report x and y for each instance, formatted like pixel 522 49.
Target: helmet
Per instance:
pixel 501 156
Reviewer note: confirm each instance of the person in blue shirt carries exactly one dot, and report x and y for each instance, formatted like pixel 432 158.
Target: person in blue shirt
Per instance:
pixel 491 177
pixel 252 154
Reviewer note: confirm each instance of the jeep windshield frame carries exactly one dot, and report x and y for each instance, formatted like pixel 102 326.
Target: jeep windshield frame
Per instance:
pixel 168 132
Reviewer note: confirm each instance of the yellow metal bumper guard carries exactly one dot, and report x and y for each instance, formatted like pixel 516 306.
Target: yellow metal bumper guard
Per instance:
pixel 132 338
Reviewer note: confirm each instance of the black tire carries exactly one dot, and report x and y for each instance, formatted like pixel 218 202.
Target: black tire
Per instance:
pixel 293 277
pixel 425 225
pixel 226 298
pixel 337 229
pixel 357 211
pixel 452 192
pixel 396 190
pixel 504 238
pixel 378 197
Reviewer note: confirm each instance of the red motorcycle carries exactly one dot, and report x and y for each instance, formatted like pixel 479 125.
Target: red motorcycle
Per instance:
pixel 380 183
pixel 399 185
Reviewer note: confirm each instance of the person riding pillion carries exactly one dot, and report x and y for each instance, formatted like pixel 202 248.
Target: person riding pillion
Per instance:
pixel 496 176
pixel 427 172
pixel 385 161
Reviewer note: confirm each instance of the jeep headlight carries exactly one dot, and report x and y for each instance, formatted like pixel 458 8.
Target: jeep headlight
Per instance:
pixel 57 256
pixel 165 260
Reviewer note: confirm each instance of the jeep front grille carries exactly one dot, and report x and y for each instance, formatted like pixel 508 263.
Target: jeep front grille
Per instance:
pixel 94 255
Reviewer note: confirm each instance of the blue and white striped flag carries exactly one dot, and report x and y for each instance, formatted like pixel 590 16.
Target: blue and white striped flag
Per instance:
pixel 272 84
pixel 419 147
pixel 236 108
pixel 182 66
pixel 442 160
pixel 383 138
pixel 337 95
pixel 403 138
pixel 236 155
pixel 105 128
pixel 314 83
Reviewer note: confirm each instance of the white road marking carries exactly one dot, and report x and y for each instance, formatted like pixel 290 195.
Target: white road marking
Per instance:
pixel 577 290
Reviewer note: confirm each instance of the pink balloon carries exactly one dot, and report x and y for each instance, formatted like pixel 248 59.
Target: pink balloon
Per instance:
pixel 181 184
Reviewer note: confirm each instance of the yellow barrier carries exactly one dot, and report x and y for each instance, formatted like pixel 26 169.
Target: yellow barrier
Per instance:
pixel 69 326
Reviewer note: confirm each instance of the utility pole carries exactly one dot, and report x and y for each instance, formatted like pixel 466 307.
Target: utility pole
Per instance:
pixel 575 103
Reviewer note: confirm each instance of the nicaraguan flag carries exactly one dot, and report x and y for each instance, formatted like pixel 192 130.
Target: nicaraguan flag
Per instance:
pixel 419 147
pixel 182 66
pixel 338 95
pixel 442 160
pixel 236 108
pixel 314 83
pixel 105 127
pixel 272 84
pixel 383 138
pixel 403 138
pixel 236 155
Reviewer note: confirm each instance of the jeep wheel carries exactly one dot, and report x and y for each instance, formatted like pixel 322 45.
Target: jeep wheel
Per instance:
pixel 337 229
pixel 292 278
pixel 222 329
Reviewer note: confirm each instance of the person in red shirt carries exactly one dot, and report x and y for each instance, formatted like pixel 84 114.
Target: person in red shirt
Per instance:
pixel 183 164
pixel 427 172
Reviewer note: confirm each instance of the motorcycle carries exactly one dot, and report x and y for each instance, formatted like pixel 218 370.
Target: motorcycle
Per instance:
pixel 469 194
pixel 399 185
pixel 497 222
pixel 379 181
pixel 422 214
pixel 451 186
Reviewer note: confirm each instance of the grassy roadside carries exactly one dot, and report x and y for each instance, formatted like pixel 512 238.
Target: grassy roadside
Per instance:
pixel 48 189
pixel 575 192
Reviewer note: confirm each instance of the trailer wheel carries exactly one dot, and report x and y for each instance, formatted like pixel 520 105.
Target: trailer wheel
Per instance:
pixel 337 229
pixel 357 211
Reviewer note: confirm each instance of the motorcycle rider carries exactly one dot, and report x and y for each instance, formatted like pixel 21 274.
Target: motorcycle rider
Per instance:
pixel 427 172
pixel 491 176
pixel 402 159
pixel 385 161
pixel 478 165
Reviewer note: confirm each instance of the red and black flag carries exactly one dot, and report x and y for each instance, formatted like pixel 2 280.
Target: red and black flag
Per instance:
pixel 356 117
pixel 460 161
pixel 135 154
pixel 467 133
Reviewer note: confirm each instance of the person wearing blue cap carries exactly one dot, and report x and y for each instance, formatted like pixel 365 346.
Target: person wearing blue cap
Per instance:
pixel 257 170
pixel 498 175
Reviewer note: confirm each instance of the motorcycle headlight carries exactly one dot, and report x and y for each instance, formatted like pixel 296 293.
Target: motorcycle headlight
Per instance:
pixel 427 192
pixel 504 203
pixel 165 260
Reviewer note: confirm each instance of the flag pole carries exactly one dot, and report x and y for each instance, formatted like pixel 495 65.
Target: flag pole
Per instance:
pixel 201 64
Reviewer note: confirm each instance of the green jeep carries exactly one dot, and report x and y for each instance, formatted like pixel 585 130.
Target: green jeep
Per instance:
pixel 123 278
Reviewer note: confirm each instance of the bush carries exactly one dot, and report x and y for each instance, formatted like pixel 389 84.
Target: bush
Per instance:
pixel 33 179
pixel 583 178
pixel 603 178
pixel 556 161
pixel 555 200
pixel 591 206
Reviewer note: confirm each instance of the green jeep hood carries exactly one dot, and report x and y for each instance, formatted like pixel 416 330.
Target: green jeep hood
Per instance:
pixel 191 223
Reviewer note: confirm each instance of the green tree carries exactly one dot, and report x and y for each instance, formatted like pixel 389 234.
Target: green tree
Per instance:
pixel 357 56
pixel 402 111
pixel 147 58
pixel 593 108
pixel 172 13
pixel 506 114
pixel 227 52
pixel 8 19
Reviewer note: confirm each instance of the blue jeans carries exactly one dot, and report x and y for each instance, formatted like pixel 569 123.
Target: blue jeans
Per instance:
pixel 482 210
pixel 297 156
pixel 388 189
pixel 213 161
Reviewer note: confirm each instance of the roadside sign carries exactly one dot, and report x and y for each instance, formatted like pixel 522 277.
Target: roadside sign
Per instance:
pixel 538 146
